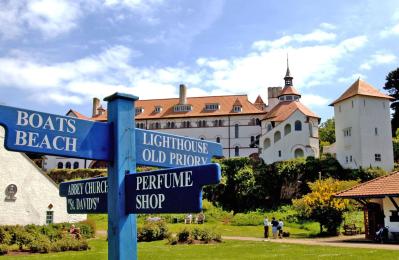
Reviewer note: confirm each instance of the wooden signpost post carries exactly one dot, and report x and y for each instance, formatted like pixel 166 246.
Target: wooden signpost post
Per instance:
pixel 124 192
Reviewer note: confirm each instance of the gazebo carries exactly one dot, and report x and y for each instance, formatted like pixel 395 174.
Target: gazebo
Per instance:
pixel 380 199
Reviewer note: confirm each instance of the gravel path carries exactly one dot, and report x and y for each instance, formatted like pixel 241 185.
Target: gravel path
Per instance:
pixel 341 241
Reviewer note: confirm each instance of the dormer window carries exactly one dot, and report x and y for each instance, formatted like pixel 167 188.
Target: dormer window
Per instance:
pixel 139 110
pixel 212 107
pixel 158 109
pixel 182 108
pixel 237 109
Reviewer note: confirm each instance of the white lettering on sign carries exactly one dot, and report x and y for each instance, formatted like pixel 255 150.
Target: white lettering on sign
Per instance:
pixel 43 141
pixel 169 180
pixel 95 187
pixel 83 204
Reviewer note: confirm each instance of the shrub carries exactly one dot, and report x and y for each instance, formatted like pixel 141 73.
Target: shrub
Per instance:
pixel 5 236
pixel 69 244
pixel 23 238
pixel 152 231
pixel 3 249
pixel 40 244
pixel 183 235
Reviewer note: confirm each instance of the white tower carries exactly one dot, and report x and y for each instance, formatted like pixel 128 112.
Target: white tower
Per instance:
pixel 363 127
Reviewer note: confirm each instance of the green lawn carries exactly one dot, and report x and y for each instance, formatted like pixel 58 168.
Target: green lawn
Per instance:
pixel 225 250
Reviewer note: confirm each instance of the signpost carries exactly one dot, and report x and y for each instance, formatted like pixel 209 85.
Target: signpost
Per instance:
pixel 123 193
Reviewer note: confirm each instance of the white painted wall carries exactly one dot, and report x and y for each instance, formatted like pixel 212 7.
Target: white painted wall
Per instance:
pixel 35 192
pixel 306 139
pixel 388 206
pixel 364 114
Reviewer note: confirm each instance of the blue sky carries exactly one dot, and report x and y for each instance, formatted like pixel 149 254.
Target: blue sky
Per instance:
pixel 59 54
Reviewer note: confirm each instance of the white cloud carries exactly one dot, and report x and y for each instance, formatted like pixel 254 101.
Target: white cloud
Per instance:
pixel 352 78
pixel 312 100
pixel 328 26
pixel 378 59
pixel 315 36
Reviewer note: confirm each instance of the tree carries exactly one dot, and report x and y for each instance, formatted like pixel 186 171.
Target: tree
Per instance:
pixel 392 85
pixel 327 132
pixel 320 205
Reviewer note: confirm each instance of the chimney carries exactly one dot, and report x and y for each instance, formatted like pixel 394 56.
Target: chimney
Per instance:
pixel 96 105
pixel 272 97
pixel 183 94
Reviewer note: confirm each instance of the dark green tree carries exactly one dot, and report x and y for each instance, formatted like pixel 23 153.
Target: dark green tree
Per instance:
pixel 392 85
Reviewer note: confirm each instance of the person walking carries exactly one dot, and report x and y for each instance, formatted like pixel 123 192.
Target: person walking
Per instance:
pixel 274 227
pixel 266 225
pixel 280 228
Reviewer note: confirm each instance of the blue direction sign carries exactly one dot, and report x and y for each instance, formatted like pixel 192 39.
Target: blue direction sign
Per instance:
pixel 175 190
pixel 167 150
pixel 85 196
pixel 37 132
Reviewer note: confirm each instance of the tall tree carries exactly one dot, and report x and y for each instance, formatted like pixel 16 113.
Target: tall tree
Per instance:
pixel 327 132
pixel 392 85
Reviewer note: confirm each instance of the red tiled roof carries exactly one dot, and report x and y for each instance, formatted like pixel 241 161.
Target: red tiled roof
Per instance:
pixel 379 187
pixel 289 90
pixel 284 109
pixel 78 115
pixel 226 104
pixel 259 100
pixel 360 87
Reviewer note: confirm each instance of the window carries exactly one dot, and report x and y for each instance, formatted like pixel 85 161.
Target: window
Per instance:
pixel 49 217
pixel 236 131
pixel 76 165
pixel 60 165
pixel 288 98
pixel 376 131
pixel 68 165
pixel 139 110
pixel 218 123
pixel 281 98
pixel 298 125
pixel 298 153
pixel 266 143
pixel 287 129
pixel 237 109
pixel 352 103
pixel 383 105
pixel 364 102
pixel 156 125
pixel 218 139
pixel 140 125
pixel 185 124
pixel 237 151
pixel 350 158
pixel 346 159
pixel 158 109
pixel 269 127
pixel 202 138
pixel 279 153
pixel 252 140
pixel 212 107
pixel 339 108
pixel 277 136
pixel 257 122
pixel 201 123
pixel 377 157
pixel 348 131
pixel 182 108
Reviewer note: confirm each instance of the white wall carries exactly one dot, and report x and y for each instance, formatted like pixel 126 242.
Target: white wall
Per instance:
pixel 306 139
pixel 35 192
pixel 366 114
pixel 388 206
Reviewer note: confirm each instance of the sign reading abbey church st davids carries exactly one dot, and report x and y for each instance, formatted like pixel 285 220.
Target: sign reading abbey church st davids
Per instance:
pixel 38 132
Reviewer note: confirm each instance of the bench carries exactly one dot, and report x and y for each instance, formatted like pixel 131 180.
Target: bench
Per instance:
pixel 351 229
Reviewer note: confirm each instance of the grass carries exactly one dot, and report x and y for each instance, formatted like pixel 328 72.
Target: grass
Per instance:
pixel 225 250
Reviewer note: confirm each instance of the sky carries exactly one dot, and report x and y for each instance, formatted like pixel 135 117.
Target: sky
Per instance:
pixel 57 55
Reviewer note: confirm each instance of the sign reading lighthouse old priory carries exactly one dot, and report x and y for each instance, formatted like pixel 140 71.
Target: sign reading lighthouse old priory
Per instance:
pixel 124 191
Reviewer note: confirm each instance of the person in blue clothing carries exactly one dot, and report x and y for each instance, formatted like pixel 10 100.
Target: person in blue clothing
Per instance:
pixel 274 227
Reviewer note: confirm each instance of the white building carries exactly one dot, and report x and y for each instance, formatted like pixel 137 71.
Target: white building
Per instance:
pixel 27 195
pixel 363 128
pixel 289 129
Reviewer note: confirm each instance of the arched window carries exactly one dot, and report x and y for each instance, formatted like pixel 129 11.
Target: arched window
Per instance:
pixel 298 153
pixel 237 151
pixel 76 165
pixel 257 121
pixel 277 136
pixel 68 165
pixel 287 129
pixel 266 143
pixel 298 125
pixel 172 125
pixel 60 165
pixel 236 132
pixel 269 127
pixel 202 138
pixel 218 139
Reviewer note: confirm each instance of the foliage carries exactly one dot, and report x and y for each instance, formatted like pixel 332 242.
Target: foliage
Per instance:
pixel 5 236
pixel 3 249
pixel 327 132
pixel 183 235
pixel 152 231
pixel 392 85
pixel 61 175
pixel 201 234
pixel 321 206
pixel 41 244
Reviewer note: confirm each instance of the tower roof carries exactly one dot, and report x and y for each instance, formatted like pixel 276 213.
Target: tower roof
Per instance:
pixel 362 88
pixel 289 90
pixel 259 100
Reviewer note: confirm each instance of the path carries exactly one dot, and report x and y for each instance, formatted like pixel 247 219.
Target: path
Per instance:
pixel 341 241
